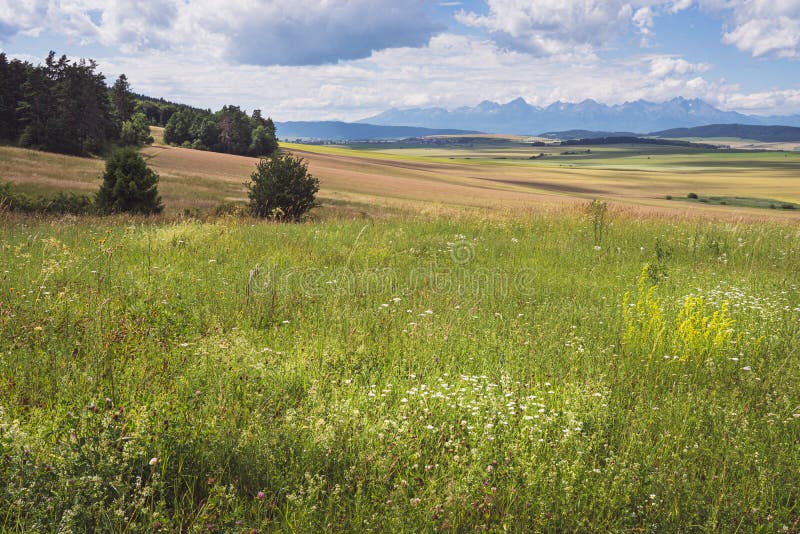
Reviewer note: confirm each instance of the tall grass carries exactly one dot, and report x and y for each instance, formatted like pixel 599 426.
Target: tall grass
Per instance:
pixel 455 374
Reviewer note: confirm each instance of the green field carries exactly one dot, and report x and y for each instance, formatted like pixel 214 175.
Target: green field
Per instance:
pixel 493 174
pixel 578 371
pixel 457 340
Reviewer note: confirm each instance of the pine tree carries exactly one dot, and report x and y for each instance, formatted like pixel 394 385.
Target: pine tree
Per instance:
pixel 129 185
pixel 122 99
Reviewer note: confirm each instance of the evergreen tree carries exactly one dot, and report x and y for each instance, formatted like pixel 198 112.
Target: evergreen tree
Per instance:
pixel 122 99
pixel 129 185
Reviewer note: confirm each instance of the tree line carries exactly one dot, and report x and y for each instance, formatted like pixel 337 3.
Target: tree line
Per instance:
pixel 66 106
pixel 229 130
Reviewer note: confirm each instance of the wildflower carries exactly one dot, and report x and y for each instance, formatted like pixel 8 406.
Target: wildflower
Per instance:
pixel 154 460
pixel 415 501
pixel 747 368
pixel 260 495
pixel 598 247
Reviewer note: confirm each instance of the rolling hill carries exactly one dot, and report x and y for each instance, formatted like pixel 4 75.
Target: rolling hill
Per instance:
pixel 766 134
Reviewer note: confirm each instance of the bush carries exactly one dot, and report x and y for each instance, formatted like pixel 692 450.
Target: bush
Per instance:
pixel 692 195
pixel 230 208
pixel 128 185
pixel 282 188
pixel 60 204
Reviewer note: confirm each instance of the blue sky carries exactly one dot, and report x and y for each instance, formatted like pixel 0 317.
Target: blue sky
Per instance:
pixel 348 59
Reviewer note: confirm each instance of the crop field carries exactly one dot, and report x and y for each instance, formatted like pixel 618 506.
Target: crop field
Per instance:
pixel 493 173
pixel 585 370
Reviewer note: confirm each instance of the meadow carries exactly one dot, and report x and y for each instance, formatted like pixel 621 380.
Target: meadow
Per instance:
pixel 577 369
pixel 490 173
pixel 458 339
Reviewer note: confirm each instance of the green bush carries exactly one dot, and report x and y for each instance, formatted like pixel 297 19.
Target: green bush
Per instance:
pixel 282 188
pixel 692 196
pixel 60 204
pixel 129 185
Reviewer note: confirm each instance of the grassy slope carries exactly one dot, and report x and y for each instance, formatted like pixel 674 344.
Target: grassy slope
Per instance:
pixel 452 373
pixel 426 178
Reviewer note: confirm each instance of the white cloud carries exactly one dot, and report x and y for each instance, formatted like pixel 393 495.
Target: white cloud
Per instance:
pixel 548 27
pixel 266 32
pixel 761 27
pixel 21 17
pixel 763 103
pixel 663 66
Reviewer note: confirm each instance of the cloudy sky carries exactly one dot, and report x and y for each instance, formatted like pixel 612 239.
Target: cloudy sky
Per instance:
pixel 348 59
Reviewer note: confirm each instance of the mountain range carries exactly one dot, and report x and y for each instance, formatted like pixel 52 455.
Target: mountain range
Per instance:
pixel 520 117
pixel 344 131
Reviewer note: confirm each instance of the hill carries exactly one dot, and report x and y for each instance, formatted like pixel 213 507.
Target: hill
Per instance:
pixel 519 117
pixel 766 134
pixel 345 131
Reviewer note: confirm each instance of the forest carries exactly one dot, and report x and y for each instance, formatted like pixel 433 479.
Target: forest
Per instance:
pixel 66 107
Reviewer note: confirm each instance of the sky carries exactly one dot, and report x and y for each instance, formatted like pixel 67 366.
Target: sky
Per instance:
pixel 349 59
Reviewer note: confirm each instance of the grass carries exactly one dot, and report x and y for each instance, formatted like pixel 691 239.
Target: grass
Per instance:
pixel 496 175
pixel 458 372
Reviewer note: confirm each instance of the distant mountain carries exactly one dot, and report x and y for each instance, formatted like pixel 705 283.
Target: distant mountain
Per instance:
pixel 345 131
pixel 519 117
pixel 585 134
pixel 765 134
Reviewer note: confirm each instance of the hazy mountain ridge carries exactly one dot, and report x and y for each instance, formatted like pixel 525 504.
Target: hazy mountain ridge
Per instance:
pixel 519 117
pixel 765 134
pixel 336 130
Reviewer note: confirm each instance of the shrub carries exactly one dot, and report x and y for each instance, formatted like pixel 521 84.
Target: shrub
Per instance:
pixel 282 188
pixel 128 185
pixel 692 195
pixel 60 204
pixel 230 208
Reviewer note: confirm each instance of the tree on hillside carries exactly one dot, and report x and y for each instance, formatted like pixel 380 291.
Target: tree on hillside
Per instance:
pixel 129 185
pixel 282 188
pixel 263 142
pixel 13 75
pixel 235 130
pixel 177 129
pixel 63 107
pixel 136 131
pixel 122 99
pixel 205 132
